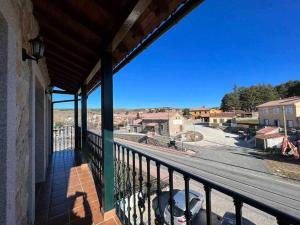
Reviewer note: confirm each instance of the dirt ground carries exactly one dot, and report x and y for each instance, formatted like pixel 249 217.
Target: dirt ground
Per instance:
pixel 288 167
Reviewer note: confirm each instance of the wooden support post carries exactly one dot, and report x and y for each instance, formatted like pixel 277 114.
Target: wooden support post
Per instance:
pixel 76 121
pixel 84 122
pixel 107 131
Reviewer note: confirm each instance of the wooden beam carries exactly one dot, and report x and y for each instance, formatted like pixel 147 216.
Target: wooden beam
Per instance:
pixel 66 61
pixel 71 29
pixel 55 48
pixel 62 67
pixel 69 42
pixel 51 11
pixel 139 8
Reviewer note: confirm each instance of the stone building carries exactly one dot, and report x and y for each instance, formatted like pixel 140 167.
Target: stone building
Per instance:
pixel 163 123
pixel 24 115
pixel 274 113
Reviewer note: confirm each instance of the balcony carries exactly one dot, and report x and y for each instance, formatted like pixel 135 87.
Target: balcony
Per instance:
pixel 90 179
pixel 143 188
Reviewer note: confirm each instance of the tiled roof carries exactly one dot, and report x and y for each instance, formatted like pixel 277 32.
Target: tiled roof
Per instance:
pixel 137 122
pixel 267 130
pixel 199 109
pixel 151 124
pixel 223 114
pixel 281 102
pixel 269 136
pixel 158 116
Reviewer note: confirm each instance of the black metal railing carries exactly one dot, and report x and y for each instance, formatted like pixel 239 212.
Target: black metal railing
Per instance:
pixel 94 156
pixel 63 138
pixel 144 188
pixel 140 199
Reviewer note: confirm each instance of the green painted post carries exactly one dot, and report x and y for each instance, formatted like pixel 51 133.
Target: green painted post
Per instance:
pixel 107 131
pixel 84 122
pixel 52 124
pixel 76 121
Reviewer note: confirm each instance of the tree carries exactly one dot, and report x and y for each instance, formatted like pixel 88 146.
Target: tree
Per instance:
pixel 231 101
pixel 289 89
pixel 256 95
pixel 186 112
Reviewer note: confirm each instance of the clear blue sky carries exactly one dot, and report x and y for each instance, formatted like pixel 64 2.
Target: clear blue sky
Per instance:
pixel 219 44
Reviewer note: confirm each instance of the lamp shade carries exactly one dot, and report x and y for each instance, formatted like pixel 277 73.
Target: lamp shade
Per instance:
pixel 38 47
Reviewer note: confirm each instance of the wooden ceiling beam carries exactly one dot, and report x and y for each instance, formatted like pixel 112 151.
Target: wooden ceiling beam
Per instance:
pixel 42 9
pixel 61 83
pixel 55 48
pixel 131 19
pixel 69 42
pixel 66 76
pixel 71 29
pixel 66 61
pixel 89 12
pixel 61 66
pixel 160 8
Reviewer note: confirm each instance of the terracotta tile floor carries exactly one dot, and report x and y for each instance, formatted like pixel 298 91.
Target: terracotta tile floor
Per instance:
pixel 69 195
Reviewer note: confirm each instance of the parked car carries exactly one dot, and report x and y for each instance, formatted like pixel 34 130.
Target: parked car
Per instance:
pixel 195 200
pixel 229 219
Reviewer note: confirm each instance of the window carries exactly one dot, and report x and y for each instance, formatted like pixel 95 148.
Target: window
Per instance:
pixel 267 122
pixel 215 121
pixel 277 123
pixel 289 110
pixel 290 123
pixel 193 202
pixel 161 127
pixel 276 110
pixel 221 120
pixel 265 111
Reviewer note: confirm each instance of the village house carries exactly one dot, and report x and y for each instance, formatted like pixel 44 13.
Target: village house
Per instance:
pixel 203 113
pixel 268 137
pixel 162 123
pixel 271 113
pixel 199 113
pixel 218 119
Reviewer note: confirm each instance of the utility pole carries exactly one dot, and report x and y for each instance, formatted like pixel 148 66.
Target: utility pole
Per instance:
pixel 284 121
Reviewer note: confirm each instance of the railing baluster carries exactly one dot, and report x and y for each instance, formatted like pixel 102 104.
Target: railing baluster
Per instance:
pixel 72 137
pixel 119 181
pixel 59 132
pixel 134 187
pixel 187 212
pixel 128 184
pixel 158 212
pixel 171 202
pixel 238 211
pixel 123 184
pixel 148 191
pixel 141 197
pixel 208 204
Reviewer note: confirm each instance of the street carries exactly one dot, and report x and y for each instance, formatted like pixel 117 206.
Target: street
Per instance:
pixel 236 169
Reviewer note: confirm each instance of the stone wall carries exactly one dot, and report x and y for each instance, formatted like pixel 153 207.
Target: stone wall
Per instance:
pixel 3 116
pixel 22 26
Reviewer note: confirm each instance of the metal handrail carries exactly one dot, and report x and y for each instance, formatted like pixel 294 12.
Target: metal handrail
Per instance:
pixel 281 216
pixel 123 173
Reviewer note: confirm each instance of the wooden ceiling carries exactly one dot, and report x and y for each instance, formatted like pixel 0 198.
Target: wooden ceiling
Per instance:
pixel 76 32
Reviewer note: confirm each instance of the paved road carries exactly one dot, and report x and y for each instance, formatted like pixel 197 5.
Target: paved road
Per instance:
pixel 261 186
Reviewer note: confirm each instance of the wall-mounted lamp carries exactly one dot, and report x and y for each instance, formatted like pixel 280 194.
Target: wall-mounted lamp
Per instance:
pixel 49 89
pixel 37 49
